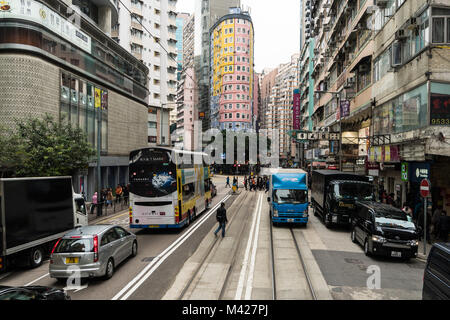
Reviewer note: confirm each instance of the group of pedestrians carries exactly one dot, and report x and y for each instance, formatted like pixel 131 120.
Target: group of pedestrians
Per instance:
pixel 122 193
pixel 256 183
pixel 438 223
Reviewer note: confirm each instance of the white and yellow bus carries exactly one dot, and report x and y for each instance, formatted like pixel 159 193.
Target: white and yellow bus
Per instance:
pixel 165 192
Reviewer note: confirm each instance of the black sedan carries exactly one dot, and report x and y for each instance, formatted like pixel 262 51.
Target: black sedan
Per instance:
pixel 32 293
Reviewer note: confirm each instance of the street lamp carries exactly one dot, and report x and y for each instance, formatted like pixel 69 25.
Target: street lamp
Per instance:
pixel 338 98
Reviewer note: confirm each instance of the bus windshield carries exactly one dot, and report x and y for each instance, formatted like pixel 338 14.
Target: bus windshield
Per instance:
pixel 355 191
pixel 152 174
pixel 290 196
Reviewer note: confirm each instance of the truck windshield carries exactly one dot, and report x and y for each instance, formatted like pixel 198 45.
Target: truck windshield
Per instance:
pixel 290 196
pixel 356 191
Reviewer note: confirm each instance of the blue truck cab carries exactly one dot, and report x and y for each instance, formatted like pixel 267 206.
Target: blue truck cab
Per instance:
pixel 288 196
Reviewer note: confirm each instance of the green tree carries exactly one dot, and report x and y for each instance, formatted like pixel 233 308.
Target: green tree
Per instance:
pixel 12 153
pixel 52 148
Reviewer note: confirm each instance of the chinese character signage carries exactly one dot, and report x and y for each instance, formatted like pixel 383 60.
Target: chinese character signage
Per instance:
pixel 296 109
pixel 98 98
pixel 345 108
pixel 440 109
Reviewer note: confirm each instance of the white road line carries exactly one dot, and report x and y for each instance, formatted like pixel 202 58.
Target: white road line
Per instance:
pixel 30 283
pixel 242 275
pixel 248 292
pixel 155 263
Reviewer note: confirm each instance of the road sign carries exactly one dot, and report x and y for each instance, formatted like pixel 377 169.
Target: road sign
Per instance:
pixel 425 187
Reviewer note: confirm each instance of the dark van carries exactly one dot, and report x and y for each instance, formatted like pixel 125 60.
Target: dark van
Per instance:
pixel 384 230
pixel 436 278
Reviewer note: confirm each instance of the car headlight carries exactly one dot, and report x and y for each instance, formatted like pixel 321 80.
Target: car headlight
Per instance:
pixel 275 213
pixel 413 243
pixel 378 239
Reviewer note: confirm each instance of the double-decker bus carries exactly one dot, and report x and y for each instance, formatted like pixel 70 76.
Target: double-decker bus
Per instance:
pixel 166 192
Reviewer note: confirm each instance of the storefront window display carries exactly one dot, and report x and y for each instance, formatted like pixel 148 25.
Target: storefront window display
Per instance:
pixel 404 113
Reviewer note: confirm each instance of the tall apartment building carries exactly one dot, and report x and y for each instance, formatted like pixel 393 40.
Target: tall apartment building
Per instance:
pixel 72 68
pixel 207 13
pixel 232 74
pixel 386 65
pixel 187 93
pixel 279 110
pixel 267 81
pixel 147 29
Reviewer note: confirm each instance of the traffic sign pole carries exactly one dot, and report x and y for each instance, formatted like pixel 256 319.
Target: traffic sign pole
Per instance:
pixel 425 228
pixel 425 187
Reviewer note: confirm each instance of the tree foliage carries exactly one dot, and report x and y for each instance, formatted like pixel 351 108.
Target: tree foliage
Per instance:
pixel 45 147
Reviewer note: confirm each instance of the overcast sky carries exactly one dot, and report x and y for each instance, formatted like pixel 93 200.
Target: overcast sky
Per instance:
pixel 277 29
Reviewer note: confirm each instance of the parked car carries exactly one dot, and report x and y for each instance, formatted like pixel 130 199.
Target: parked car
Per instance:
pixel 94 251
pixel 436 278
pixel 213 190
pixel 384 230
pixel 32 293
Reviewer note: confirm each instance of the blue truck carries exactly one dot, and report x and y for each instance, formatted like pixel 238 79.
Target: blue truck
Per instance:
pixel 288 196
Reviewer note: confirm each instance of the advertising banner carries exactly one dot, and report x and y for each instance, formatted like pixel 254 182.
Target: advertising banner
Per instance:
pixel 296 110
pixel 440 109
pixel 37 12
pixel 345 108
pixel 98 98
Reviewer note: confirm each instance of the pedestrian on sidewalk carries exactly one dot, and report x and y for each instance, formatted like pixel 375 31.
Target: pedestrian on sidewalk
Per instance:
pixel 228 183
pixel 109 197
pixel 435 222
pixel 420 223
pixel 221 216
pixel 407 209
pixel 94 202
pixel 245 183
pixel 444 226
pixel 126 194
pixel 118 193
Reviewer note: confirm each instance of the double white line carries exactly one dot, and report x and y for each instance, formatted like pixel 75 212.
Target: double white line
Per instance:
pixel 254 234
pixel 134 284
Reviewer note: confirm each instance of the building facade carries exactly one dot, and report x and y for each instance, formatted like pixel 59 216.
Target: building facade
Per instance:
pixel 232 73
pixel 207 13
pixel 381 76
pixel 61 61
pixel 147 29
pixel 279 109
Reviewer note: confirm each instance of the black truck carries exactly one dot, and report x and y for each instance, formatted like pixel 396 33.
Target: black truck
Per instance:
pixel 34 213
pixel 333 195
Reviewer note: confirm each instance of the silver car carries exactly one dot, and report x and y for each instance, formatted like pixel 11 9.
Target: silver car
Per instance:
pixel 91 251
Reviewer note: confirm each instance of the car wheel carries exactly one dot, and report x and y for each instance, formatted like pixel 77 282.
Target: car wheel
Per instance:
pixel 36 257
pixel 366 248
pixel 134 249
pixel 353 236
pixel 109 269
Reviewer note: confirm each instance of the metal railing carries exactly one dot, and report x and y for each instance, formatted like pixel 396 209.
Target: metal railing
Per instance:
pixel 104 208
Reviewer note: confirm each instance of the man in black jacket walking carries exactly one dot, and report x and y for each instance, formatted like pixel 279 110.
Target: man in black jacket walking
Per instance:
pixel 222 219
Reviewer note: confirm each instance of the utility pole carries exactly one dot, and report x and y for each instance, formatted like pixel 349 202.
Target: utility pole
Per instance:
pixel 99 173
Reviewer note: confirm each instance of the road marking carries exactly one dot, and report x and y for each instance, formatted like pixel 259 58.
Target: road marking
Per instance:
pixel 30 283
pixel 134 284
pixel 113 218
pixel 242 275
pixel 248 292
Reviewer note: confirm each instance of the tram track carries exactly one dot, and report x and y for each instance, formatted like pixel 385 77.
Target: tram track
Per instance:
pixel 193 280
pixel 307 277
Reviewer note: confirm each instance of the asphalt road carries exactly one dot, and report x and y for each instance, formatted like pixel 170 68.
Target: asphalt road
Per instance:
pixel 338 267
pixel 151 244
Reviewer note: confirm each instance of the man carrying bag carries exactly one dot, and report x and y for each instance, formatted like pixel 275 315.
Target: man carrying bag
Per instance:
pixel 221 216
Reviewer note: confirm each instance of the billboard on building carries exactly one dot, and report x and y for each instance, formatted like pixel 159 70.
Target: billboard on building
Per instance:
pixel 296 110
